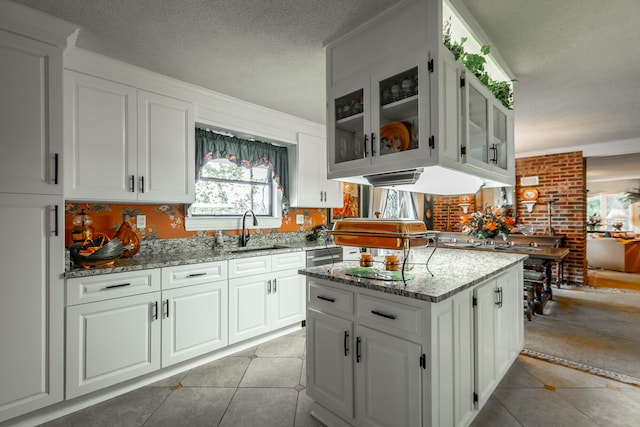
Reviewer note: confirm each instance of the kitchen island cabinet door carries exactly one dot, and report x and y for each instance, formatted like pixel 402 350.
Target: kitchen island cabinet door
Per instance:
pixel 31 305
pixel 330 351
pixel 111 341
pixel 31 119
pixel 194 321
pixel 388 380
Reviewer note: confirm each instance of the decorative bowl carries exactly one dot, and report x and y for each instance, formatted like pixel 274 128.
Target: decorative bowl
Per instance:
pixel 106 256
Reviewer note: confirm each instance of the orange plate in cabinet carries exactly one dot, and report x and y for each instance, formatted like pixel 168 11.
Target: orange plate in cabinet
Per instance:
pixel 394 137
pixel 529 194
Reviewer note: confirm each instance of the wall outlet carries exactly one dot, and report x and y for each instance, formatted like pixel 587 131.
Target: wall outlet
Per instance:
pixel 300 219
pixel 141 221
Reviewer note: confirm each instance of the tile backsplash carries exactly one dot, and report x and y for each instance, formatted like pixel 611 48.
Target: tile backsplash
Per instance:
pixel 167 221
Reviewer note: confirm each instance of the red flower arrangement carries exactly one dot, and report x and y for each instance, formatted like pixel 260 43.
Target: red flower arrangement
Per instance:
pixel 488 224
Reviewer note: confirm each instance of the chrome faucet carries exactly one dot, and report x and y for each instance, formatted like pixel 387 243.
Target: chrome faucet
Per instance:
pixel 245 233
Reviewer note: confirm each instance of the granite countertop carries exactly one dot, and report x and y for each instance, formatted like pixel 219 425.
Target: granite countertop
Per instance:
pixel 144 260
pixel 453 271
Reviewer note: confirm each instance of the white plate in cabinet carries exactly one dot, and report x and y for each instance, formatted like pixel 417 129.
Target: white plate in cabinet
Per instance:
pixel 81 290
pixel 111 341
pixel 194 321
pixel 193 274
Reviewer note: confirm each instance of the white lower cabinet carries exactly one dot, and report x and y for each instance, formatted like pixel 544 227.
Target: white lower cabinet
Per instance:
pixel 376 359
pixel 265 293
pixel 388 379
pixel 194 321
pixel 498 330
pixel 330 362
pixel 111 341
pixel 123 325
pixel 115 337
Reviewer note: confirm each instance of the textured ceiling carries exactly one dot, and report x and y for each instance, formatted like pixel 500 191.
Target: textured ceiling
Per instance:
pixel 577 63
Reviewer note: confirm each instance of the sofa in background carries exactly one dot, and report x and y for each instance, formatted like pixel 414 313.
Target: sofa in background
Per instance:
pixel 613 253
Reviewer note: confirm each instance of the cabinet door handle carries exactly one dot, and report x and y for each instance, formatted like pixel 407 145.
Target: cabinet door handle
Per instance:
pixel 55 168
pixel 155 310
pixel 275 285
pixel 166 302
pixel 498 297
pixel 142 184
pixel 494 149
pixel 55 219
pixel 346 343
pixel 120 285
pixel 132 183
pixel 323 298
pixel 358 345
pixel 196 274
pixel 373 141
pixel 385 315
pixel 269 286
pixel 321 196
pixel 366 153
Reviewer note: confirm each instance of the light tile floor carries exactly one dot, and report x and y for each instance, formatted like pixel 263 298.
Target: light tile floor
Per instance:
pixel 265 386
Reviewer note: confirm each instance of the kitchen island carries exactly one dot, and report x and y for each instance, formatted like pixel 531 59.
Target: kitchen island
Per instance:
pixel 426 351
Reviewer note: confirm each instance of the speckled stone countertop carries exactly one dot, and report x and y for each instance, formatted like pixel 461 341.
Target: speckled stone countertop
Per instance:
pixel 182 255
pixel 453 271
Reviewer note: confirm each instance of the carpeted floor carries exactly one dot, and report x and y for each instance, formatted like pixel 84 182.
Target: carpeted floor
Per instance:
pixel 596 330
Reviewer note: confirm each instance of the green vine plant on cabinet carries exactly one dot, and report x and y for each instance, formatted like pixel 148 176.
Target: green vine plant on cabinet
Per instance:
pixel 474 62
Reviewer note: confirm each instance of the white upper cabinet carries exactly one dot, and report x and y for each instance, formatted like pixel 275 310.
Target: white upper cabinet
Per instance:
pixel 308 183
pixel 395 102
pixel 31 119
pixel 126 144
pixel 487 131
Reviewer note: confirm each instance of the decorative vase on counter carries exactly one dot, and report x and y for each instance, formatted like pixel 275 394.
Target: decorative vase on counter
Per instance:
pixel 128 237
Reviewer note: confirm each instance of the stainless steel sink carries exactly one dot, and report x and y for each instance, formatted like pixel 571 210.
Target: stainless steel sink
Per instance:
pixel 257 249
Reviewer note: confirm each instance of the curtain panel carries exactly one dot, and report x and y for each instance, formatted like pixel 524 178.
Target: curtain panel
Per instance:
pixel 211 145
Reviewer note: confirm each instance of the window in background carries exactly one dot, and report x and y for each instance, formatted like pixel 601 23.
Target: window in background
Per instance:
pixel 603 206
pixel 225 188
pixel 399 204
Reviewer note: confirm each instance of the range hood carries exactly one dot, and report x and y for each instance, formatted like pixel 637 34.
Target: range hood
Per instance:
pixel 429 180
pixel 389 179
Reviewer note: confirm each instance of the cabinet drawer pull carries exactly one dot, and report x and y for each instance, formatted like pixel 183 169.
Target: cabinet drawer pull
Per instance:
pixel 275 285
pixel 346 343
pixel 326 298
pixel 269 286
pixel 167 306
pixel 385 315
pixel 155 310
pixel 196 274
pixel 358 344
pixel 121 285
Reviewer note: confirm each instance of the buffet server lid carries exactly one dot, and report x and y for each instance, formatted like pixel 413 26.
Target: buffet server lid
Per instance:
pixel 381 233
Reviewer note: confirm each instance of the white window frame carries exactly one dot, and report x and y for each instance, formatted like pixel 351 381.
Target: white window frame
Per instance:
pixel 212 223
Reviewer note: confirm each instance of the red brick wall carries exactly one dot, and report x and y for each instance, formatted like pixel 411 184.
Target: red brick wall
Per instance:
pixel 562 177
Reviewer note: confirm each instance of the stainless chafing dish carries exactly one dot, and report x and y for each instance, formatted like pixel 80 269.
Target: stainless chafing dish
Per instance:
pixel 382 233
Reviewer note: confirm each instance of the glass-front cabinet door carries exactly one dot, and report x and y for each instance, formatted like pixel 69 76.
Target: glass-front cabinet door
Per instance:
pixel 488 133
pixel 348 125
pixel 400 97
pixel 477 126
pixel 499 145
pixel 376 120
